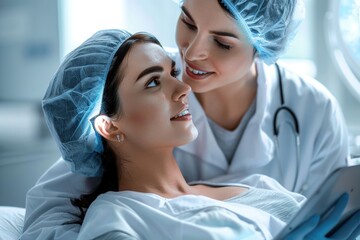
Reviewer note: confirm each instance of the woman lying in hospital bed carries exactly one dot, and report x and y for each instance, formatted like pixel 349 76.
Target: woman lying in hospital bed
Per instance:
pixel 115 107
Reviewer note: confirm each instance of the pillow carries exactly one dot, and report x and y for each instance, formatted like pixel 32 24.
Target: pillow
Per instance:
pixel 11 222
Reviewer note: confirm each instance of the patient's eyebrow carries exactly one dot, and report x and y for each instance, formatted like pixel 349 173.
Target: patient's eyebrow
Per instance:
pixel 150 70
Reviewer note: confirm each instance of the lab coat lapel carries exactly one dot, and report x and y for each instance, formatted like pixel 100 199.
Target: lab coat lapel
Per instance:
pixel 256 147
pixel 205 146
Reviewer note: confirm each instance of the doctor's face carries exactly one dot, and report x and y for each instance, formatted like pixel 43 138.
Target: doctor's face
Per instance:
pixel 154 103
pixel 213 50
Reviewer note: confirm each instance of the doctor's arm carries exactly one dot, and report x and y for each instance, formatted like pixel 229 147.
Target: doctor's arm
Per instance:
pixel 331 148
pixel 49 212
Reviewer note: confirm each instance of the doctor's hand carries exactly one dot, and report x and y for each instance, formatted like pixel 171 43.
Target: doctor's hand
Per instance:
pixel 313 229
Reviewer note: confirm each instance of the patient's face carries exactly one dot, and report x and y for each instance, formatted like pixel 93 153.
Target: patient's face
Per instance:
pixel 153 101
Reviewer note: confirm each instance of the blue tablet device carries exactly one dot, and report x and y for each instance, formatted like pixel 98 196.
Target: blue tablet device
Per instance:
pixel 345 179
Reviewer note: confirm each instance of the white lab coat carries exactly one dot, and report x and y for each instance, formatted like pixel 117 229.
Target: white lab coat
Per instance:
pixel 323 148
pixel 323 136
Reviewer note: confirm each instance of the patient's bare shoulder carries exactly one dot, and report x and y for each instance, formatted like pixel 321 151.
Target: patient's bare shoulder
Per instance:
pixel 219 192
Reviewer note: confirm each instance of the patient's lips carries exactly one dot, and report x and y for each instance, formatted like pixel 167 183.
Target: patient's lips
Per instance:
pixel 183 115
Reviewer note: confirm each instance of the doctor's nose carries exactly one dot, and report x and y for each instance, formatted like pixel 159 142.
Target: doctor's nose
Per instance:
pixel 181 92
pixel 196 50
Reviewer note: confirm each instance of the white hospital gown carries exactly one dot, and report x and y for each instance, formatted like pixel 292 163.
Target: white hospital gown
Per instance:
pixel 256 214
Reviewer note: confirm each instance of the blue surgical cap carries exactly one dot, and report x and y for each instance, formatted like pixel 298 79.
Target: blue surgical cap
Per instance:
pixel 74 97
pixel 267 24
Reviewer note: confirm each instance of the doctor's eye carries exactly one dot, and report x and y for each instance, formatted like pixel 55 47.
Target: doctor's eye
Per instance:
pixel 153 82
pixel 188 25
pixel 222 45
pixel 175 72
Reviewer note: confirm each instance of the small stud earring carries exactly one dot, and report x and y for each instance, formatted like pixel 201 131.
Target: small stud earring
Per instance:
pixel 120 139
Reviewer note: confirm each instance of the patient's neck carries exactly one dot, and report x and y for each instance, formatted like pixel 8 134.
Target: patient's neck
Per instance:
pixel 152 171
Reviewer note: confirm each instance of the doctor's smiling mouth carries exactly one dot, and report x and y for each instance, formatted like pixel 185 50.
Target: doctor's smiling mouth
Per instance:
pixel 195 72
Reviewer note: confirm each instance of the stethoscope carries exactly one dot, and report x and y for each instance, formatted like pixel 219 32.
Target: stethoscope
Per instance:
pixel 296 129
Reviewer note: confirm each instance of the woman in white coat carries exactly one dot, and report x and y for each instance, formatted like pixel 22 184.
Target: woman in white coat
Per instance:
pixel 228 61
pixel 237 93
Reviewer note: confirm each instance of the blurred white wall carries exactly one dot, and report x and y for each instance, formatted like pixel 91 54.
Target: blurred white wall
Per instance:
pixel 29 47
pixel 29 56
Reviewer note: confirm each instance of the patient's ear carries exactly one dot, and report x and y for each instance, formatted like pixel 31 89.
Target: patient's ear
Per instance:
pixel 106 128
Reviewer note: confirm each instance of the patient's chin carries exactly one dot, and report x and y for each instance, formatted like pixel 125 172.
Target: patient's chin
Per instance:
pixel 191 135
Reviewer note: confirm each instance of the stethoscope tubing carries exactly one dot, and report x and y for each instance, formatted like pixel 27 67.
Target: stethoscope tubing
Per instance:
pixel 287 109
pixel 283 107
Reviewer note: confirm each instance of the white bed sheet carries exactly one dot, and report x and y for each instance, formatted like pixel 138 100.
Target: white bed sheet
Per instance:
pixel 11 222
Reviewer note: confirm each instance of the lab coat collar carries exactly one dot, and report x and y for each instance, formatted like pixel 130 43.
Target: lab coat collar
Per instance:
pixel 206 147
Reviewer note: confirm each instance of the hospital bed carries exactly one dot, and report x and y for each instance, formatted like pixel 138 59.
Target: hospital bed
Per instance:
pixel 11 222
pixel 21 165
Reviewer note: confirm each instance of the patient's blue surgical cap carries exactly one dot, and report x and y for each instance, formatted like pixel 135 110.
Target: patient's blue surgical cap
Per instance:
pixel 74 97
pixel 268 24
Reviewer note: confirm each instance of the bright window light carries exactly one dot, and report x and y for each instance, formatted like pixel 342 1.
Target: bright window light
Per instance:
pixel 79 19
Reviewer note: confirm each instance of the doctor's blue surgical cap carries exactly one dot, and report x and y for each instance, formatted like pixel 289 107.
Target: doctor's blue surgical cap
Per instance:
pixel 74 97
pixel 269 25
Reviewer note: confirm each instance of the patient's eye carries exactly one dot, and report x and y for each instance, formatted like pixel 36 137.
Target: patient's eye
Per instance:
pixel 153 82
